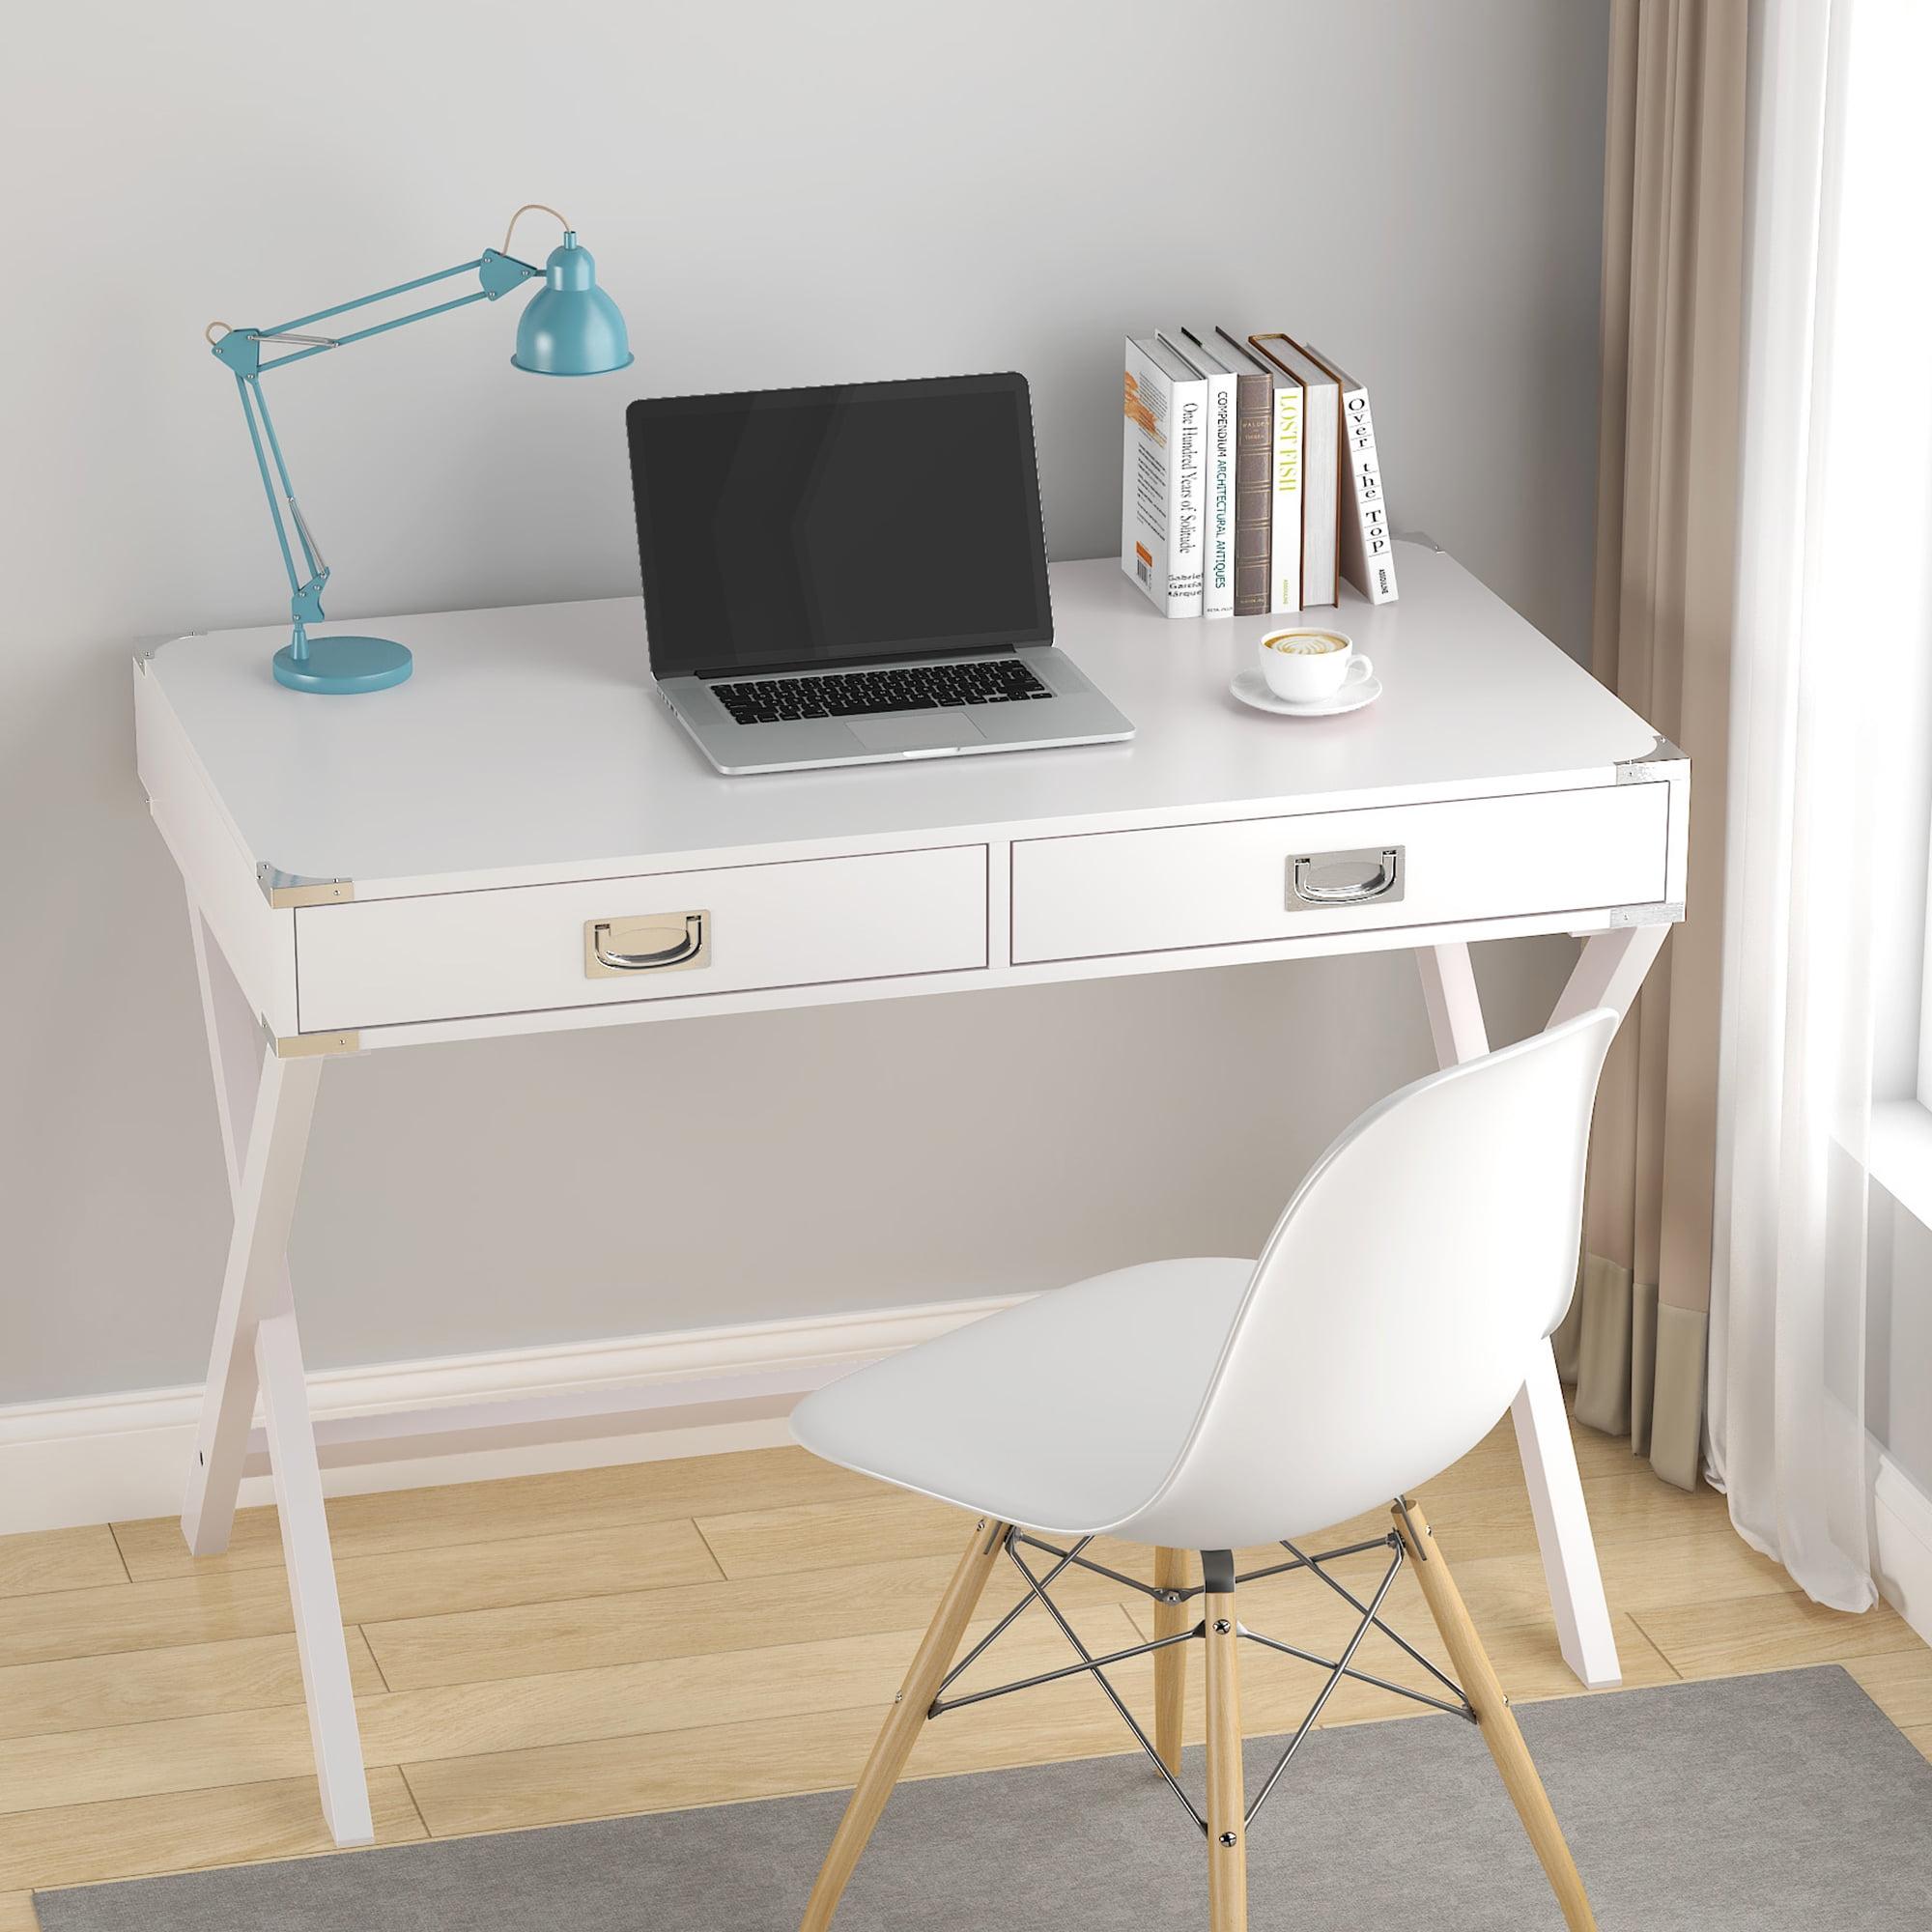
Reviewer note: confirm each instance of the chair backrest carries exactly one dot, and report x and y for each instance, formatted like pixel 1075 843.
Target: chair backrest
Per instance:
pixel 1390 1318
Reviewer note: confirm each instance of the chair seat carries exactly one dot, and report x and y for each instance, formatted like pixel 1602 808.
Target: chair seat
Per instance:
pixel 1065 1415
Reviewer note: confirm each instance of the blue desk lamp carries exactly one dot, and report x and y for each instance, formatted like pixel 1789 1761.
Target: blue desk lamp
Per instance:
pixel 571 327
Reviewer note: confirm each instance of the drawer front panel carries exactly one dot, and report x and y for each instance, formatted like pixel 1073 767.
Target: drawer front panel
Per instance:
pixel 1096 895
pixel 669 935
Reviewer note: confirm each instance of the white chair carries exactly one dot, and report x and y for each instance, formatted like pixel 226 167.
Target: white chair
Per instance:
pixel 1212 1404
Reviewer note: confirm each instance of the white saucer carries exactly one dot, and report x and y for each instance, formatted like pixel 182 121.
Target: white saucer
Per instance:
pixel 1252 688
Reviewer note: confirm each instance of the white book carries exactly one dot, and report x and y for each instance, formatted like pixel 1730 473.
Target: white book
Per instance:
pixel 1288 467
pixel 1163 476
pixel 1217 568
pixel 1367 548
pixel 1321 465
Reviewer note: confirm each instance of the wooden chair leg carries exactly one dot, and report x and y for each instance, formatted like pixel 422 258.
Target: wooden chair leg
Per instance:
pixel 1494 1716
pixel 1227 1800
pixel 1170 1666
pixel 936 1651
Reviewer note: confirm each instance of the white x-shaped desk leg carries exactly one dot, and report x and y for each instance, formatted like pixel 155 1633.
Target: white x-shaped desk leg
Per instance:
pixel 266 1104
pixel 1609 974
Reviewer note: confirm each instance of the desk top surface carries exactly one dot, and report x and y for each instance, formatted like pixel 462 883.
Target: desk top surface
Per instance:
pixel 529 742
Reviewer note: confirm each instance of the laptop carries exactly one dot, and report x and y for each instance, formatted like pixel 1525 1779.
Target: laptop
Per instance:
pixel 853 575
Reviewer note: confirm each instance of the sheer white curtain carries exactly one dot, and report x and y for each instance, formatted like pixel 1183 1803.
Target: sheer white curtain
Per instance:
pixel 1832 625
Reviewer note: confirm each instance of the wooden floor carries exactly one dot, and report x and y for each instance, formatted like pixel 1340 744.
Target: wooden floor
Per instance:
pixel 691 1633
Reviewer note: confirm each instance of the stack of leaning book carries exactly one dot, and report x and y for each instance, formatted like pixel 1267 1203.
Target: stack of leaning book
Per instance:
pixel 1250 482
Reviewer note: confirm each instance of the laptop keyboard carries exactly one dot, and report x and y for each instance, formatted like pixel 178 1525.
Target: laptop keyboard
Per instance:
pixel 850 693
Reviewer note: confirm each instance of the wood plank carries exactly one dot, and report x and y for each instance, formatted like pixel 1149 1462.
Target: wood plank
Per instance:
pixel 582 1632
pixel 723 1762
pixel 1696 1562
pixel 1597 1454
pixel 1636 1507
pixel 628 1701
pixel 75 1768
pixel 617 1499
pixel 183 1680
pixel 884 1522
pixel 85 1844
pixel 542 1633
pixel 17 1913
pixel 58 1559
pixel 1899 1682
pixel 881 1521
pixel 1920 1735
pixel 1636 1511
pixel 144 1616
pixel 222 1605
pixel 1497 1461
pixel 1740 1634
pixel 686 1693
pixel 364 1671
pixel 1526 1657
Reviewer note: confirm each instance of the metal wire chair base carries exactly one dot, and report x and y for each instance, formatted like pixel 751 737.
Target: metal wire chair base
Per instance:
pixel 1088 1664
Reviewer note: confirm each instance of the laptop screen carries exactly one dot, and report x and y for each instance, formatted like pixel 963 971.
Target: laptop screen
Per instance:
pixel 805 527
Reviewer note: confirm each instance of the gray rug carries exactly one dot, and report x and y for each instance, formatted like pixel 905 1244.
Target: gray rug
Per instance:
pixel 1780 1803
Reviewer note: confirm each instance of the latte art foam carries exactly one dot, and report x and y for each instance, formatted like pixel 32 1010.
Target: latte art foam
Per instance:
pixel 1308 644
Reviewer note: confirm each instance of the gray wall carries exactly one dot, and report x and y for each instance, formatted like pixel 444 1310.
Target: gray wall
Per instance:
pixel 777 194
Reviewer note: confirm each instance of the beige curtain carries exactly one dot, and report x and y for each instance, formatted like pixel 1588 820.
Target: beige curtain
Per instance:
pixel 1635 1343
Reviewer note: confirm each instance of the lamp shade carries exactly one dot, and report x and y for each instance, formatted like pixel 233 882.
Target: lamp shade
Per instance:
pixel 571 326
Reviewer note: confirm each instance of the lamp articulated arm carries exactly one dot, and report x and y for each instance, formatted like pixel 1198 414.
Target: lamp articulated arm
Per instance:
pixel 571 327
pixel 240 350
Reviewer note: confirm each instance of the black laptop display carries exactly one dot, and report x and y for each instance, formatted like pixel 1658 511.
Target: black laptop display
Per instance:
pixel 845 574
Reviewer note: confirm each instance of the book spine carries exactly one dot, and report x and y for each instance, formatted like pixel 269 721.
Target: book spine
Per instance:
pixel 1284 500
pixel 1145 476
pixel 1217 588
pixel 1368 552
pixel 1321 493
pixel 1187 507
pixel 1254 493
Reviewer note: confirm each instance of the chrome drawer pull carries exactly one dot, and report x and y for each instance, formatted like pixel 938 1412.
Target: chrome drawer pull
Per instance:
pixel 1370 873
pixel 602 961
pixel 687 948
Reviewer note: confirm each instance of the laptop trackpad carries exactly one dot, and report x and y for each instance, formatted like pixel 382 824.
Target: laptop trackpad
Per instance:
pixel 915 731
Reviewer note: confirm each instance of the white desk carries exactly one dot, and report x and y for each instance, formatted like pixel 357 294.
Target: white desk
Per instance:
pixel 429 864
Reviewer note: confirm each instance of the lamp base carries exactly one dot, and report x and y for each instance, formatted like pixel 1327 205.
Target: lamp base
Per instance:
pixel 336 666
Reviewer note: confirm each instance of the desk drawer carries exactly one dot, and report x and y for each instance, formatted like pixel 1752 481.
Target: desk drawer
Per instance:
pixel 1108 893
pixel 669 935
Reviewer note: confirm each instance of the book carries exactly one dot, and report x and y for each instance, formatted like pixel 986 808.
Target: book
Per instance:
pixel 1287 468
pixel 1368 549
pixel 1217 566
pixel 1321 465
pixel 1163 476
pixel 1254 466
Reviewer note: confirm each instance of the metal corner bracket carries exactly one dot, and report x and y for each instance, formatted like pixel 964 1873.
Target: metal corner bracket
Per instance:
pixel 148 648
pixel 1649 766
pixel 308 1045
pixel 291 888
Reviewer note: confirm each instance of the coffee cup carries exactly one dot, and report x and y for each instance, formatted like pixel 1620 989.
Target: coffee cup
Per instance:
pixel 1304 666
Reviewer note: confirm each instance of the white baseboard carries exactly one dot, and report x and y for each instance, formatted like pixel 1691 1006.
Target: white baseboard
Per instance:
pixel 106 1459
pixel 1903 1558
